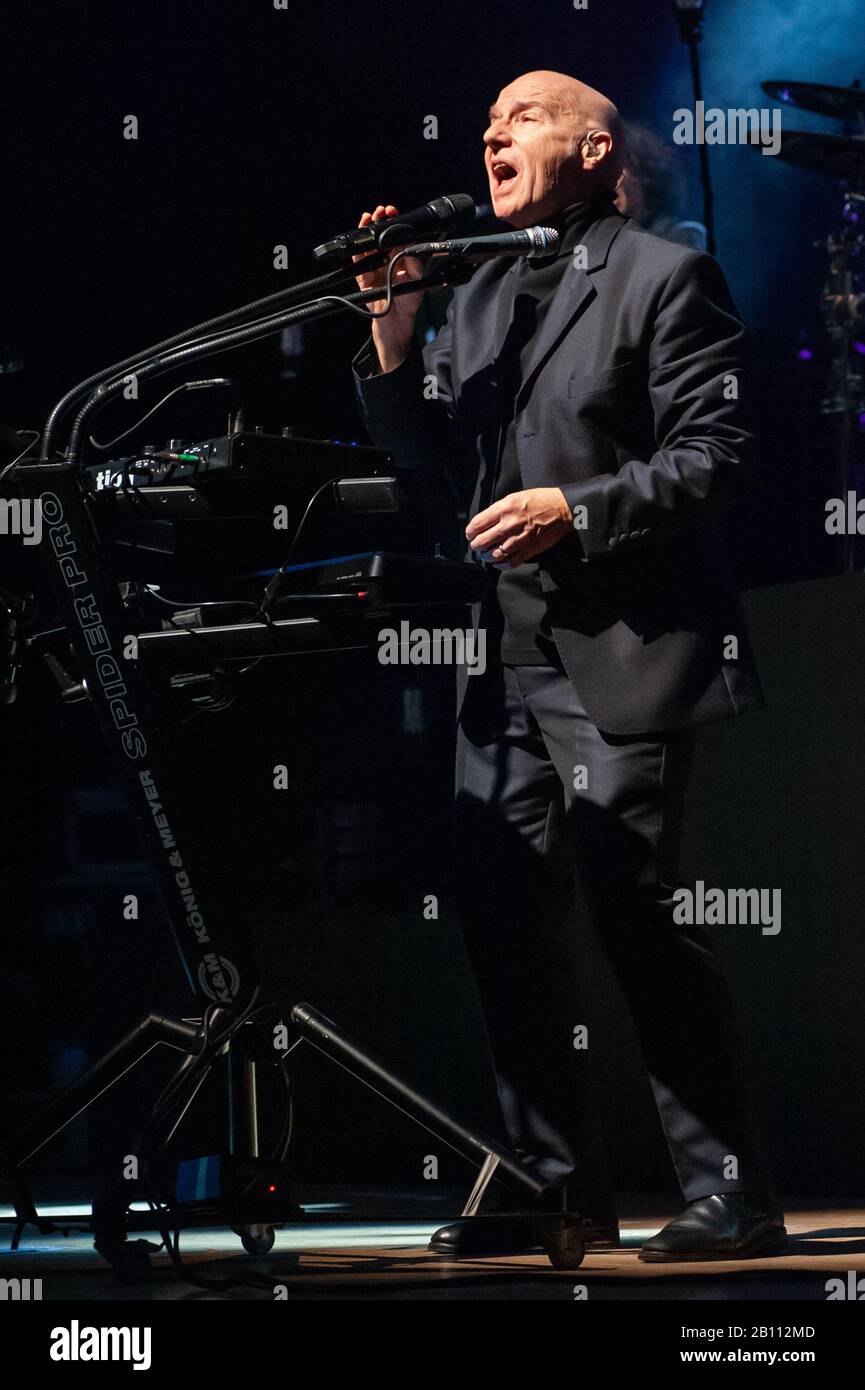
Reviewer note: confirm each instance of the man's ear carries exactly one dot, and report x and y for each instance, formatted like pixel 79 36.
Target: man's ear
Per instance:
pixel 599 144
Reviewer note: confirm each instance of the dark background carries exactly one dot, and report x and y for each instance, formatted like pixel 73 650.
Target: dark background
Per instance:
pixel 260 127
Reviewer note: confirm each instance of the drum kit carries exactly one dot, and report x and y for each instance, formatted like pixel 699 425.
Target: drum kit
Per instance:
pixel 841 156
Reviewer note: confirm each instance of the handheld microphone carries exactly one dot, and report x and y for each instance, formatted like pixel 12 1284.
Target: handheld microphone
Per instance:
pixel 532 241
pixel 445 214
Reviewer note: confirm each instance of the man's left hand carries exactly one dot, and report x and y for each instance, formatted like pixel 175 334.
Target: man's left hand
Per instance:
pixel 519 527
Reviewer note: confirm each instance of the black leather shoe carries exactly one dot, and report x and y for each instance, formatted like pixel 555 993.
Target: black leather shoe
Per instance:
pixel 504 1233
pixel 728 1226
pixel 485 1235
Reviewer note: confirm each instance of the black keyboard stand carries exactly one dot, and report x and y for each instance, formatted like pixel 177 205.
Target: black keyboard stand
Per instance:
pixel 216 954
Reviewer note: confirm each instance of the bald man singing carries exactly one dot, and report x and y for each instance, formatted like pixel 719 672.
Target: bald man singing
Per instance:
pixel 595 397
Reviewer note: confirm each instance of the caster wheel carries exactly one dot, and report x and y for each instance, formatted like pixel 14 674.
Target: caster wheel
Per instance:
pixel 566 1247
pixel 256 1240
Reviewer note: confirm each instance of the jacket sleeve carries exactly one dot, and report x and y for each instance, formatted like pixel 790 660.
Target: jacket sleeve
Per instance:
pixel 706 454
pixel 410 411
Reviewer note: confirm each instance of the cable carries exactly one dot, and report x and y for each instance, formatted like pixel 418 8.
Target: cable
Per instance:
pixel 192 603
pixel 186 1076
pixel 188 1079
pixel 227 342
pixel 331 277
pixel 177 390
pixel 358 308
pixel 272 590
pixel 213 706
pixel 9 466
pixel 176 1083
pixel 287 1132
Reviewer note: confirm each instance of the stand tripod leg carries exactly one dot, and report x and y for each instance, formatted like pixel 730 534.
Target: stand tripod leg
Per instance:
pixel 131 1048
pixel 482 1182
pixel 330 1040
pixel 561 1233
pixel 135 1045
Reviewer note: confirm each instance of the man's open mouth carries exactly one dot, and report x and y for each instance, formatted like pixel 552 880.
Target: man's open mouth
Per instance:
pixel 503 173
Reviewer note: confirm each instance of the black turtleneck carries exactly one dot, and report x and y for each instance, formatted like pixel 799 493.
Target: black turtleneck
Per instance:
pixel 518 617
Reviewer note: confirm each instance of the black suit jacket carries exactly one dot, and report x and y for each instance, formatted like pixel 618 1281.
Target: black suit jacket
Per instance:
pixel 634 404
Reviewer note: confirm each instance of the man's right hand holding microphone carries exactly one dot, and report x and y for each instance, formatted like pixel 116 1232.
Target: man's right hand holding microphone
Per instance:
pixel 392 335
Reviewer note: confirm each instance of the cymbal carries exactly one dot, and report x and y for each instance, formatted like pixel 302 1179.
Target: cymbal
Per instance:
pixel 841 102
pixel 840 156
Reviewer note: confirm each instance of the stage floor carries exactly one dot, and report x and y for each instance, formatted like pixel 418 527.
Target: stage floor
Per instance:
pixel 358 1257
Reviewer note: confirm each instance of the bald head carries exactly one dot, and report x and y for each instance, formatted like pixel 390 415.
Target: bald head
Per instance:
pixel 551 141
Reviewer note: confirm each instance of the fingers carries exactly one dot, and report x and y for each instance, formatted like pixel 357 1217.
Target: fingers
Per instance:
pixel 483 520
pixel 383 210
pixel 409 268
pixel 517 528
pixel 501 557
pixel 414 267
pixel 497 536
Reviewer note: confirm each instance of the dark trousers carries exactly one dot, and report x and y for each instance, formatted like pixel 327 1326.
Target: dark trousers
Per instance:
pixel 551 812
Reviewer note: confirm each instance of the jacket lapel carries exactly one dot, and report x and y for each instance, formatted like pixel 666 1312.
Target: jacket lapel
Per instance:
pixel 574 291
pixel 485 323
